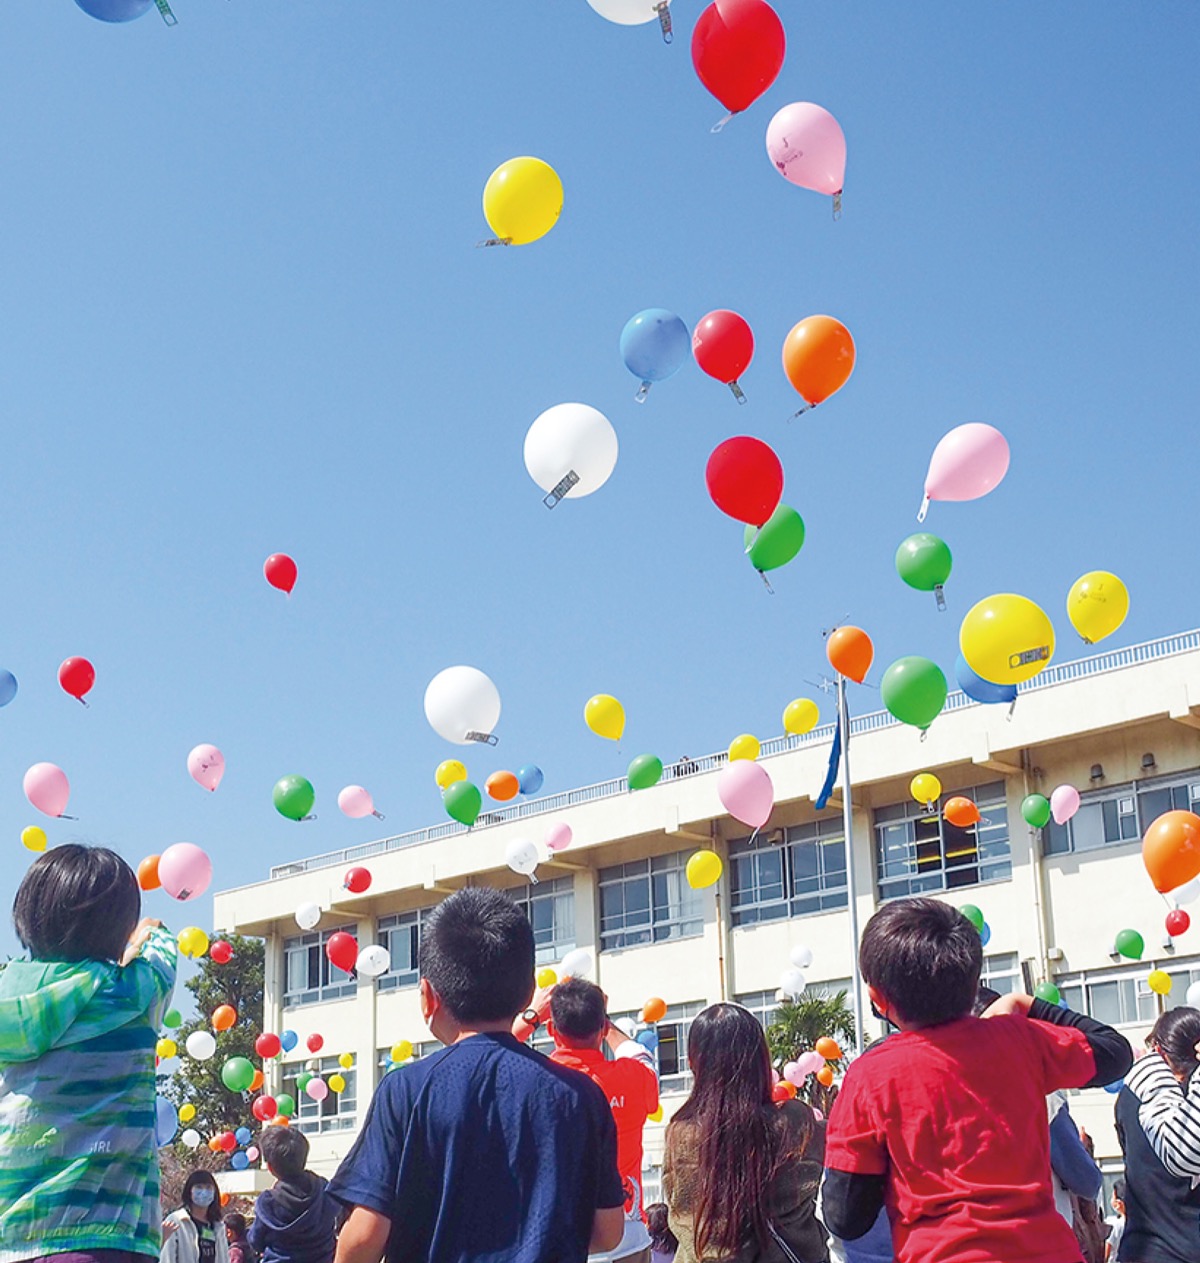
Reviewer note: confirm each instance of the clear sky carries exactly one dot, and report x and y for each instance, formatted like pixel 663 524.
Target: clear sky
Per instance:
pixel 241 311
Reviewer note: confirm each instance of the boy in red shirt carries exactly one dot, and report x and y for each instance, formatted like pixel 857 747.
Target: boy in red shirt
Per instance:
pixel 945 1122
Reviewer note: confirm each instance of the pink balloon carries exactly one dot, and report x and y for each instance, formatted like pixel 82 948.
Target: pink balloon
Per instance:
pixel 47 788
pixel 746 792
pixel 252 1153
pixel 316 1089
pixel 793 1074
pixel 206 766
pixel 558 836
pixel 967 463
pixel 1064 803
pixel 807 146
pixel 184 871
pixel 817 1114
pixel 810 1062
pixel 355 802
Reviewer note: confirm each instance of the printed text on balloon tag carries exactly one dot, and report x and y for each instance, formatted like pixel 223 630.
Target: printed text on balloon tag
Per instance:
pixel 560 491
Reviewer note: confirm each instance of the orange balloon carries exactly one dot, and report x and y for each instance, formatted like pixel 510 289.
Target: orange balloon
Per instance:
pixel 961 812
pixel 223 1017
pixel 850 653
pixel 818 358
pixel 214 1145
pixel 828 1048
pixel 825 1077
pixel 281 1120
pixel 502 786
pixel 654 1010
pixel 148 873
pixel 256 1082
pixel 226 1198
pixel 783 1091
pixel 1171 850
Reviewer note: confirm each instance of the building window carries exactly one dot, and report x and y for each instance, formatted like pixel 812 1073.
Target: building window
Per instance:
pixel 309 975
pixel 806 874
pixel 648 901
pixel 671 1057
pixel 1120 997
pixel 385 1065
pixel 762 1004
pixel 1116 815
pixel 918 851
pixel 1002 973
pixel 337 1111
pixel 550 907
pixel 401 935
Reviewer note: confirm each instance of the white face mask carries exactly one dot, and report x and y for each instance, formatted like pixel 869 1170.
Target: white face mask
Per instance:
pixel 203 1197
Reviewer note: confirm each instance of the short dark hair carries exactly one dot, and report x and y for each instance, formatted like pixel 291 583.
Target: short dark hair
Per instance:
pixel 200 1176
pixel 285 1150
pixel 1175 1035
pixel 235 1221
pixel 578 1009
pixel 1119 1190
pixel 77 903
pixel 924 958
pixel 477 954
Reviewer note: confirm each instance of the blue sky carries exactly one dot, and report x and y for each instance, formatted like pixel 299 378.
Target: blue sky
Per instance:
pixel 241 312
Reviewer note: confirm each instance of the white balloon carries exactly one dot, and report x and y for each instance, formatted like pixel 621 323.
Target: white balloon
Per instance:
pixel 792 983
pixel 200 1045
pixel 802 956
pixel 1193 996
pixel 626 12
pixel 461 701
pixel 627 1026
pixel 576 964
pixel 571 437
pixel 1189 892
pixel 373 961
pixel 308 916
pixel 191 1138
pixel 521 856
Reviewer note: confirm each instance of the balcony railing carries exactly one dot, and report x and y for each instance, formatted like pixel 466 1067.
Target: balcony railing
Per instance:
pixel 1063 673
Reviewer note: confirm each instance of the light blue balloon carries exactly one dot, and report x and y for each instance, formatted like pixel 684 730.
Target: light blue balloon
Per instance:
pixel 8 687
pixel 166 1121
pixel 654 344
pixel 647 1039
pixel 242 1135
pixel 288 1040
pixel 1113 1088
pixel 985 935
pixel 239 1161
pixel 980 690
pixel 115 10
pixel 530 778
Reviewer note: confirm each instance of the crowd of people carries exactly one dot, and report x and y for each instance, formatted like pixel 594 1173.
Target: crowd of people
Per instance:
pixel 950 1138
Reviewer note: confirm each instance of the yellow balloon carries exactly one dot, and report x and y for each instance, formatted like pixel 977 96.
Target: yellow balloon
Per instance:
pixel 345 1061
pixel 187 1112
pixel 546 977
pixel 192 941
pixel 925 788
pixel 33 838
pixel 1006 639
pixel 1097 605
pixel 336 1083
pixel 522 200
pixel 801 716
pixel 703 869
pixel 1159 982
pixel 449 772
pixel 402 1051
pixel 605 716
pixel 744 747
pixel 165 1049
pixel 656 1117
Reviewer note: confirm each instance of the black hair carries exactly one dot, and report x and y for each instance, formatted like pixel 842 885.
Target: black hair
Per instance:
pixel 662 1238
pixel 199 1176
pixel 1119 1190
pixel 77 903
pixel 1175 1035
pixel 285 1150
pixel 985 997
pixel 235 1221
pixel 477 954
pixel 578 1009
pixel 924 958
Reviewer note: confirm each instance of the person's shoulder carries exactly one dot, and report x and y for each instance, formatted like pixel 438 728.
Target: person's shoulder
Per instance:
pixel 562 1081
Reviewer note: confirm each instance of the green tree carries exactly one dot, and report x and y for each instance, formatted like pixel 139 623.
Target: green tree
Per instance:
pixel 240 984
pixel 795 1029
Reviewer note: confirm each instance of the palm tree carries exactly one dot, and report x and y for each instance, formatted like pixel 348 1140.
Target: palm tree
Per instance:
pixel 795 1029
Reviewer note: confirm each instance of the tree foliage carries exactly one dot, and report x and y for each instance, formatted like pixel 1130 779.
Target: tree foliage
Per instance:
pixel 795 1029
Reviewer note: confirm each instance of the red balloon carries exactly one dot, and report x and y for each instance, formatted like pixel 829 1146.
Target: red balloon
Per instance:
pixel 723 345
pixel 77 675
pixel 357 880
pixel 264 1108
pixel 227 1141
pixel 221 952
pixel 315 1043
pixel 1178 922
pixel 738 48
pixel 267 1044
pixel 280 571
pixel 342 950
pixel 745 479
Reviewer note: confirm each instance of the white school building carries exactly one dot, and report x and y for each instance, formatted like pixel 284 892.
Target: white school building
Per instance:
pixel 1120 726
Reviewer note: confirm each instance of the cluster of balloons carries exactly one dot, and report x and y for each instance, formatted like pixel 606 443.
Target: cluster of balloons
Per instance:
pixel 793 980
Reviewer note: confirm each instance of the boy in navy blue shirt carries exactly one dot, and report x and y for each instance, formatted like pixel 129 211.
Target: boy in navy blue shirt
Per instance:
pixel 485 1151
pixel 294 1221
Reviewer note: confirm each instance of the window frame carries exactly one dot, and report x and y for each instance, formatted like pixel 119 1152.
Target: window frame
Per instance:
pixel 326 989
pixel 685 916
pixel 561 893
pixel 337 1112
pixel 1133 995
pixel 1061 839
pixel 790 903
pixel 412 918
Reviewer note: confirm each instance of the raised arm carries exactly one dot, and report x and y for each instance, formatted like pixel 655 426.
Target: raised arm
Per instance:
pixel 1169 1116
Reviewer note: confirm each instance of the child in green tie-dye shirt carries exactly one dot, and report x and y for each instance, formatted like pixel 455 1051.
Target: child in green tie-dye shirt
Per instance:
pixel 78 1021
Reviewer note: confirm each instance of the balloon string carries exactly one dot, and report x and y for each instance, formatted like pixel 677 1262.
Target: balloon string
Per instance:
pixel 923 509
pixel 720 127
pixel 837 205
pixel 1011 708
pixel 738 393
pixel 664 20
pixel 493 241
pixel 643 391
pixel 753 836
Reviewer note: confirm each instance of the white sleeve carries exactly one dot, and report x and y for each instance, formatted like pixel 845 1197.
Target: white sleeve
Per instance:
pixel 1169 1116
pixel 631 1050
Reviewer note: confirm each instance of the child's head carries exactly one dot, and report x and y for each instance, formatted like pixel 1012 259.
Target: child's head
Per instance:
pixel 77 903
pixel 661 1236
pixel 477 955
pixel 1118 1197
pixel 1175 1035
pixel 579 1013
pixel 921 959
pixel 286 1152
pixel 201 1197
pixel 235 1225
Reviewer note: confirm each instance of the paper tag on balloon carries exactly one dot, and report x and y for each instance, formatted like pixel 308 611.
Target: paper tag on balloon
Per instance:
pixel 940 593
pixel 167 16
pixel 493 241
pixel 560 491
pixel 484 738
pixel 664 20
pixel 837 205
pixel 738 393
pixel 1040 654
pixel 643 391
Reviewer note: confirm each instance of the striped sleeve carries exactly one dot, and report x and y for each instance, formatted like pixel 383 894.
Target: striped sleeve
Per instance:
pixel 1169 1116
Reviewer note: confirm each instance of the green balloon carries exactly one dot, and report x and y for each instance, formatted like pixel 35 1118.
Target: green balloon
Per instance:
pixel 973 914
pixel 1047 991
pixel 923 561
pixel 294 797
pixel 302 1081
pixel 172 1018
pixel 914 690
pixel 1130 944
pixel 644 771
pixel 463 802
pixel 237 1074
pixel 1036 810
pixel 285 1104
pixel 777 541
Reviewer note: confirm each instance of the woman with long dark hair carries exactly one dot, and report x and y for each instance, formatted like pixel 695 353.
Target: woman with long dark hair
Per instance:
pixel 740 1173
pixel 194 1233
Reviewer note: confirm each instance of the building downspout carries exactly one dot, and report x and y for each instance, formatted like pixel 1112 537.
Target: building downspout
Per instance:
pixel 1035 855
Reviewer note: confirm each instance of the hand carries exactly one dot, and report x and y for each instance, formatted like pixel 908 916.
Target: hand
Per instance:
pixel 138 940
pixel 541 1002
pixel 1009 1004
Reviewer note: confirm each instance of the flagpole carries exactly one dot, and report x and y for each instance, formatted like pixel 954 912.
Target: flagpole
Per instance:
pixel 851 888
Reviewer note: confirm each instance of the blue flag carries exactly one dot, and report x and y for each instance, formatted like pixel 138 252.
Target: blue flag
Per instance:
pixel 835 763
